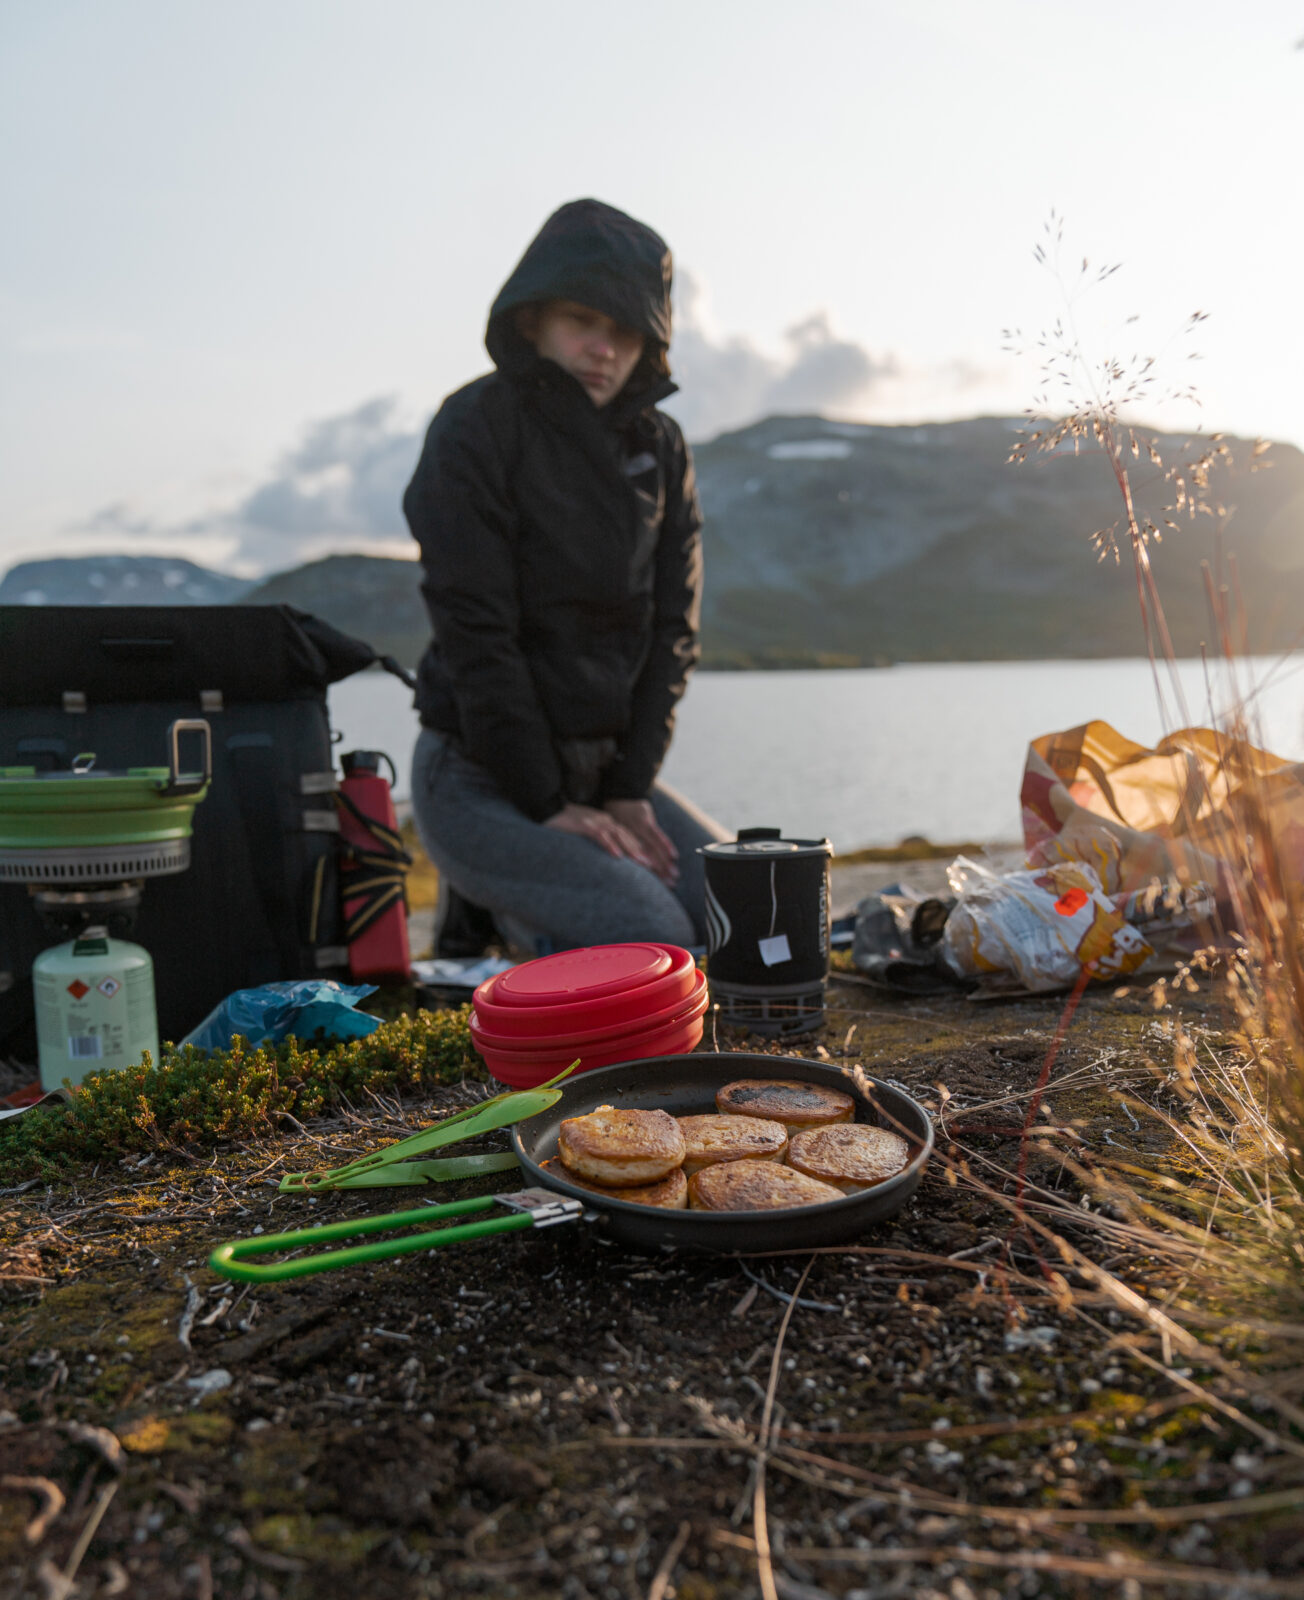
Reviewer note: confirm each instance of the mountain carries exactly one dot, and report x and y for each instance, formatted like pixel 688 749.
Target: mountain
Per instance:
pixel 843 544
pixel 117 581
pixel 833 543
pixel 372 597
pixel 926 543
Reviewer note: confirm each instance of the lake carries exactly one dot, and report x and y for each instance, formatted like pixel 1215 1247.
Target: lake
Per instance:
pixel 867 757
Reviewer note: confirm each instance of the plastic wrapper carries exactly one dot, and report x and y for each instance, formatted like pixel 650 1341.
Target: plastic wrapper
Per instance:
pixel 276 1011
pixel 1037 929
pixel 897 942
pixel 1173 814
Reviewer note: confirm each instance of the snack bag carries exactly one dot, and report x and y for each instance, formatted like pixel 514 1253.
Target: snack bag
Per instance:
pixel 1037 929
pixel 303 1008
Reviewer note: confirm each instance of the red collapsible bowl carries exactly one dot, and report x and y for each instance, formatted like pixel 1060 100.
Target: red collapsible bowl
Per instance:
pixel 548 1038
pixel 603 987
pixel 566 1048
pixel 527 1069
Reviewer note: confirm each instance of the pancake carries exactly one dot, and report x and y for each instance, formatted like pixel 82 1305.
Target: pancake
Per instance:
pixel 796 1105
pixel 621 1149
pixel 716 1137
pixel 851 1156
pixel 755 1186
pixel 670 1194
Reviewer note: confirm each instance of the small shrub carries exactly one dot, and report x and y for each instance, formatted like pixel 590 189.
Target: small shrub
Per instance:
pixel 196 1100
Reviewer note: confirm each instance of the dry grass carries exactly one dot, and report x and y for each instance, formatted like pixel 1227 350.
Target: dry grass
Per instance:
pixel 1240 1196
pixel 1210 1262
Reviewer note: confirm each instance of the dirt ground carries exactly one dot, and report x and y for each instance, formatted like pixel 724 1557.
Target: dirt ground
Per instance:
pixel 554 1415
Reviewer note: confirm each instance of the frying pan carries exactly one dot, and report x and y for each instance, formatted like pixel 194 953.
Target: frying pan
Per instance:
pixel 683 1085
pixel 686 1085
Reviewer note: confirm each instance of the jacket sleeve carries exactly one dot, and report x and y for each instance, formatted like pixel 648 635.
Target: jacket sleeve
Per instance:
pixel 461 513
pixel 675 645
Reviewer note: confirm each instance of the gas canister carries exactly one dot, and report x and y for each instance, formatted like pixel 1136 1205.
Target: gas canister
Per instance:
pixel 94 1007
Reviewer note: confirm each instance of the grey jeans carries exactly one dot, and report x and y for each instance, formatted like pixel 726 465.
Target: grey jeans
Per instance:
pixel 545 884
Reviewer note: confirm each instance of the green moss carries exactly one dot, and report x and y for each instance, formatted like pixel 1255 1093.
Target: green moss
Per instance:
pixel 197 1432
pixel 1172 1428
pixel 198 1100
pixel 143 1436
pixel 692 1586
pixel 91 1316
pixel 323 1540
pixel 273 1467
pixel 15 1511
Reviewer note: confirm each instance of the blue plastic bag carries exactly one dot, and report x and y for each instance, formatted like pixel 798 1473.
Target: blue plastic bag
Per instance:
pixel 279 1010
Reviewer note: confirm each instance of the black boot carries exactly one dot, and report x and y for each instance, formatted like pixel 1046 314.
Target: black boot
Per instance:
pixel 462 929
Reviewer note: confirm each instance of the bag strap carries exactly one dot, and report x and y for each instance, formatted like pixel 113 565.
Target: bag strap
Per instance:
pixel 372 877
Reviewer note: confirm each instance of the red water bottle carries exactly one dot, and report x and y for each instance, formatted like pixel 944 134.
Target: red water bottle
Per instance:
pixel 373 870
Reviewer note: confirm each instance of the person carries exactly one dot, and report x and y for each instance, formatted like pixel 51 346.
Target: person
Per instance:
pixel 558 524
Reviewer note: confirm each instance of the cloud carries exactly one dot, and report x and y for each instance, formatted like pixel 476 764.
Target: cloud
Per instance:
pixel 728 382
pixel 116 521
pixel 346 477
pixel 340 487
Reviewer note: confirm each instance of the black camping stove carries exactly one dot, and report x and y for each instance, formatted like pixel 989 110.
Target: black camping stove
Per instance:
pixel 767 930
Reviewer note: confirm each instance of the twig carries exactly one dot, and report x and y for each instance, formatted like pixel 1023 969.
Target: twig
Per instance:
pixel 746 1303
pixel 118 1581
pixel 194 1299
pixel 1116 1571
pixel 79 1550
pixel 760 1523
pixel 975 1250
pixel 893 1487
pixel 239 1538
pixel 50 1493
pixel 785 1298
pixel 661 1578
pixel 106 1444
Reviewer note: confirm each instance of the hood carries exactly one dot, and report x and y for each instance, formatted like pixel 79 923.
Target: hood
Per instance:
pixel 597 256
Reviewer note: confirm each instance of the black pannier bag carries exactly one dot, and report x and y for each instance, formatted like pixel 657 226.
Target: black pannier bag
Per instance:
pixel 260 900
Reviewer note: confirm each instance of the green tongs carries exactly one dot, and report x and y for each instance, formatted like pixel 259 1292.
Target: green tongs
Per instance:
pixel 392 1166
pixel 531 1208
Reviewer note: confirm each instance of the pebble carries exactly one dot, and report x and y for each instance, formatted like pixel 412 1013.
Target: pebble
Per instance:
pixel 1031 1338
pixel 209 1382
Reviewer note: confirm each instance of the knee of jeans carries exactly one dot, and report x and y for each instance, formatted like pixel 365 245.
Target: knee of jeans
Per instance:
pixel 668 924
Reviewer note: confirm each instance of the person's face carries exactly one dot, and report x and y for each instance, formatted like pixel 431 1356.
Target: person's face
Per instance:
pixel 594 349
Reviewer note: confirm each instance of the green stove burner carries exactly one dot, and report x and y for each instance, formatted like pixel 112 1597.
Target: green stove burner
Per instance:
pixel 88 826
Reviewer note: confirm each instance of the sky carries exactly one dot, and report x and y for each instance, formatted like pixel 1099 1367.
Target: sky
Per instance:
pixel 246 249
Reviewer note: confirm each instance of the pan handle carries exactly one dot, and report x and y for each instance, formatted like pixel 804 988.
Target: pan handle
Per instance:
pixel 532 1208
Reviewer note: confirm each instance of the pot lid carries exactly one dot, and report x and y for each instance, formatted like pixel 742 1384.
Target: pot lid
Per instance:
pixel 583 974
pixel 753 842
pixel 82 775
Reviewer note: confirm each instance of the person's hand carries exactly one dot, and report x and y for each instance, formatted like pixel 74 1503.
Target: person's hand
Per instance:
pixel 604 829
pixel 638 818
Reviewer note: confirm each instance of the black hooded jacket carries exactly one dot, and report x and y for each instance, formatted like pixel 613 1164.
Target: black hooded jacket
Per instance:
pixel 559 541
